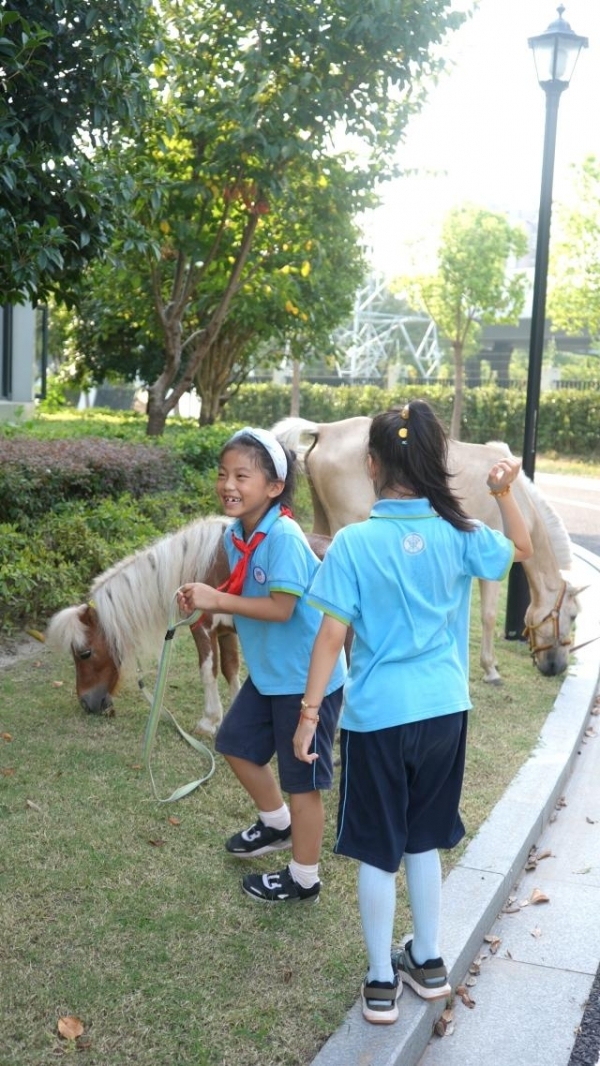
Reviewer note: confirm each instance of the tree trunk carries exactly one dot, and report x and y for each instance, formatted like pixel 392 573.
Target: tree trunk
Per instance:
pixel 295 400
pixel 455 423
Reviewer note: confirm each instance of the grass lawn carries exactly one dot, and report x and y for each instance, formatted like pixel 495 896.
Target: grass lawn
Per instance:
pixel 129 914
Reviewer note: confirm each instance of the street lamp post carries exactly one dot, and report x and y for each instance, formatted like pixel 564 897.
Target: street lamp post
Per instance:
pixel 555 54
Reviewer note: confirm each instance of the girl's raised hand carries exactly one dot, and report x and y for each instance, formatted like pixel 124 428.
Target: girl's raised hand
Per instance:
pixel 503 473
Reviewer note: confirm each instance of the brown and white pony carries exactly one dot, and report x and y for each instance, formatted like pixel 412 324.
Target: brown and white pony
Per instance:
pixel 334 459
pixel 125 618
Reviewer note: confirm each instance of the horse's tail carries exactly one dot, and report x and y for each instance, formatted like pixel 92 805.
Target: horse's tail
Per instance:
pixel 298 434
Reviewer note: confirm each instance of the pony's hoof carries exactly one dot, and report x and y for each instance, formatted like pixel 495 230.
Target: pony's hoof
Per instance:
pixel 205 729
pixel 497 681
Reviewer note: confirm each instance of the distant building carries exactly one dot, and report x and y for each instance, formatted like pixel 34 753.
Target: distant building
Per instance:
pixel 17 362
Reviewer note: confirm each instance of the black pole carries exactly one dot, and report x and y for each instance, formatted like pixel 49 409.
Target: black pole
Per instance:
pixel 518 591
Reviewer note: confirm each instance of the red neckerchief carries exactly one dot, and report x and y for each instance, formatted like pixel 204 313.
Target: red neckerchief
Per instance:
pixel 235 582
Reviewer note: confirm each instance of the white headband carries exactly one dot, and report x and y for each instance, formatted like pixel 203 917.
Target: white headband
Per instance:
pixel 270 444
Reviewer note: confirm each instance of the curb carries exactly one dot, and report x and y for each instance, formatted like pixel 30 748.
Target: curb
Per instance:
pixel 478 886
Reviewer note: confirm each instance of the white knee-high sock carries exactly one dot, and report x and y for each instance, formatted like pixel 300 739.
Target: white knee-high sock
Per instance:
pixel 377 906
pixel 424 883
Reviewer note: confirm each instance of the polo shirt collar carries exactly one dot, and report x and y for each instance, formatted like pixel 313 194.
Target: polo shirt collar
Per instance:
pixel 417 508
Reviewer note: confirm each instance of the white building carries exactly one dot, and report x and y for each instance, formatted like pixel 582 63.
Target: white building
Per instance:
pixel 17 362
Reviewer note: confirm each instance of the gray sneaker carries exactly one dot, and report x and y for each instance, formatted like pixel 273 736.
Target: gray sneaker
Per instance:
pixel 429 980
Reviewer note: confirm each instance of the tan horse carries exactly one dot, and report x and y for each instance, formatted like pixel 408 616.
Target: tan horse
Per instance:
pixel 334 458
pixel 125 618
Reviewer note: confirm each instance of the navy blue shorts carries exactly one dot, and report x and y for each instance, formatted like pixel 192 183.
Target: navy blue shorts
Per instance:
pixel 257 727
pixel 400 790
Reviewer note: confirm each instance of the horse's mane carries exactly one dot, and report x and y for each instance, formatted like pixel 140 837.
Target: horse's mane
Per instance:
pixel 133 597
pixel 554 525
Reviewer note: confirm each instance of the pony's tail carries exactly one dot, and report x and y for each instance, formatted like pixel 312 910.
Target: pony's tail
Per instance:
pixel 298 435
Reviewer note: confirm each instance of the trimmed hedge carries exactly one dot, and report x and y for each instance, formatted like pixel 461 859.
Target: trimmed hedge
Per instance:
pixel 569 422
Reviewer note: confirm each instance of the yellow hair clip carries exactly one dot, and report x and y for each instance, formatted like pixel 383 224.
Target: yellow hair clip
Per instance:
pixel 403 433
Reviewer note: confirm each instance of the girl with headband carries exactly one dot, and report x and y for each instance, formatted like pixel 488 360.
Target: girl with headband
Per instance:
pixel 272 567
pixel 402 580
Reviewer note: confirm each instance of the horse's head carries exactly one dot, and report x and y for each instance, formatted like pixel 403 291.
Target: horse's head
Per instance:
pixel 549 629
pixel 76 629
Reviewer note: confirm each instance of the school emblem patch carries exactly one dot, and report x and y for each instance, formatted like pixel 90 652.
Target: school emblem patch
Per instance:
pixel 259 575
pixel 413 543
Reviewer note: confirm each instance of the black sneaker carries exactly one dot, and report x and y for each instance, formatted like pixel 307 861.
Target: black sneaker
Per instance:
pixel 259 839
pixel 279 888
pixel 429 980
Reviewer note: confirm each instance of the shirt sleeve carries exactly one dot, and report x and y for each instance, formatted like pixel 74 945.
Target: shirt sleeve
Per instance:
pixel 291 564
pixel 334 589
pixel 488 553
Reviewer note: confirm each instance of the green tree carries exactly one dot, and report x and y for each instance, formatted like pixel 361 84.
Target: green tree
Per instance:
pixel 252 92
pixel 472 287
pixel 300 278
pixel 574 289
pixel 70 71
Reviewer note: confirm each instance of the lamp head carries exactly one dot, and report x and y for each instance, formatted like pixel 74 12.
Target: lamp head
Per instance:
pixel 555 53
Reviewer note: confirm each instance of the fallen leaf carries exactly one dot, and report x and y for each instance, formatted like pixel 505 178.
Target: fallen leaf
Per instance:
pixel 511 910
pixel 6 736
pixel 475 968
pixel 561 803
pixel 493 941
pixel 174 821
pixel 590 732
pixel 33 806
pixel 470 981
pixel 8 771
pixel 57 684
pixel 35 633
pixel 537 896
pixel 70 1027
pixel 546 854
pixel 585 870
pixel 591 821
pixel 156 843
pixel 287 976
pixel 524 903
pixel 136 766
pixel 444 1024
pixel 463 993
pixel 537 932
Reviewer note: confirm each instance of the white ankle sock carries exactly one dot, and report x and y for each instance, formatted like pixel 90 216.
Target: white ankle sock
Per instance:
pixel 305 876
pixel 279 819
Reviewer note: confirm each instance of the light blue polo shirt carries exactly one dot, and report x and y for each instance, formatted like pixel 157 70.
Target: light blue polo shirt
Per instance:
pixel 277 654
pixel 403 580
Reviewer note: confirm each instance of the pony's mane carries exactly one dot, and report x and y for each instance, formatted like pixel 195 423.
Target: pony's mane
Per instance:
pixel 132 598
pixel 554 525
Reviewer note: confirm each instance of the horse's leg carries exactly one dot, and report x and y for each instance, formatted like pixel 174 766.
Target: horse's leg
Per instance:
pixel 206 645
pixel 229 650
pixel 489 592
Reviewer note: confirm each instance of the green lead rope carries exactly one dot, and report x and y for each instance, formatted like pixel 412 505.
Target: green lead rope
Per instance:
pixel 157 709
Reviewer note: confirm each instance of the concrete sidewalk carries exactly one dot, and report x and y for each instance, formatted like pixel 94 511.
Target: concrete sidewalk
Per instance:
pixel 531 992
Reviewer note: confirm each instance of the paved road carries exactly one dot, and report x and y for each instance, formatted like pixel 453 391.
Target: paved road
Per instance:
pixel 577 501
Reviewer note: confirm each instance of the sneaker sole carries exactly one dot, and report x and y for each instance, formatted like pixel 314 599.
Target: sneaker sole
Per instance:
pixel 425 993
pixel 380 1017
pixel 281 846
pixel 271 902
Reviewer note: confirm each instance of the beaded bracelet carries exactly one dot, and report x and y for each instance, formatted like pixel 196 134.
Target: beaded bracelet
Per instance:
pixel 500 492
